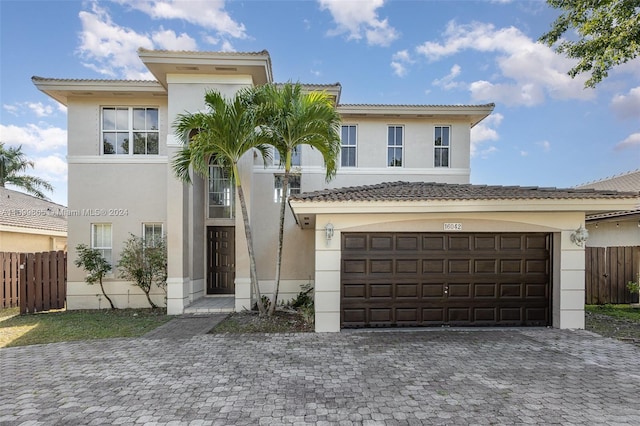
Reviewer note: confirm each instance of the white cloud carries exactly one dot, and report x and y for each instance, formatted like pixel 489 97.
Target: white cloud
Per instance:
pixel 485 131
pixel 524 154
pixel 627 106
pixel 399 62
pixel 545 145
pixel 209 14
pixel 447 82
pixel 360 19
pixel 633 141
pixel 168 40
pixel 51 168
pixel 109 48
pixel 532 70
pixel 38 137
pixel 12 109
pixel 40 109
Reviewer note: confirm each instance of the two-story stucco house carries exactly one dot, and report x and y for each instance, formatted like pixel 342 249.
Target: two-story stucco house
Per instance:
pixel 399 237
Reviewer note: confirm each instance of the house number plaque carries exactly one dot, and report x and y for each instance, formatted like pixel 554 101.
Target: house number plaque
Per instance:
pixel 453 227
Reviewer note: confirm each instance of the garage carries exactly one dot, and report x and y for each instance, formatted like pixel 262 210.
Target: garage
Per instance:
pixel 445 279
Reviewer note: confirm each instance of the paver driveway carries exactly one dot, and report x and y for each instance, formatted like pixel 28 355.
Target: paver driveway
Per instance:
pixel 400 377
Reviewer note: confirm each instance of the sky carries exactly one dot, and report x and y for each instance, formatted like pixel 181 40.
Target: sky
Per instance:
pixel 546 129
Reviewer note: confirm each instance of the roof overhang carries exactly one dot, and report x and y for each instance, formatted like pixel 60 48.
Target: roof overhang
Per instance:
pixel 305 211
pixel 63 89
pixel 472 113
pixel 163 62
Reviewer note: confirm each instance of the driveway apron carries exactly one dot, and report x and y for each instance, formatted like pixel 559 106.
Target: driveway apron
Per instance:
pixel 514 376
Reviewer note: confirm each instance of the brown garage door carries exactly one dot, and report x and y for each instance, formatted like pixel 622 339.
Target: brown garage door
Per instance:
pixel 439 279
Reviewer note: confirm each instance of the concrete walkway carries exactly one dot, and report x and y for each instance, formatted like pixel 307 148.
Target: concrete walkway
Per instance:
pixel 453 377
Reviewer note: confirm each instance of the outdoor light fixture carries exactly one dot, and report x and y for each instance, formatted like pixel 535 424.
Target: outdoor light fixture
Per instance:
pixel 579 236
pixel 328 232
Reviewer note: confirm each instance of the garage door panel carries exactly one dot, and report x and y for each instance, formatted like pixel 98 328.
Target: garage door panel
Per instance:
pixel 381 266
pixel 461 266
pixel 445 279
pixel 381 290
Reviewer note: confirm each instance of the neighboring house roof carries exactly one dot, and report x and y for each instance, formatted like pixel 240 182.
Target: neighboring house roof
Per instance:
pixel 629 181
pixel 425 191
pixel 20 210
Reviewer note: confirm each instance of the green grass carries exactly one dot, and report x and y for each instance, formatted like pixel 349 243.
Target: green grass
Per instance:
pixel 617 311
pixel 64 326
pixel 250 322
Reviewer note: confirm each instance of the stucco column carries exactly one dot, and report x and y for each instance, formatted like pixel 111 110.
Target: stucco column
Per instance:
pixel 177 238
pixel 327 278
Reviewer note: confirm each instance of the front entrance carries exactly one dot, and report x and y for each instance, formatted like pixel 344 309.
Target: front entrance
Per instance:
pixel 221 259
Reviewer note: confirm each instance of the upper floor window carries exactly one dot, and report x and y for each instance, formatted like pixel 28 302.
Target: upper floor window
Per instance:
pixel 394 146
pixel 293 186
pixel 101 239
pixel 151 234
pixel 221 193
pixel 348 148
pixel 295 157
pixel 441 146
pixel 130 130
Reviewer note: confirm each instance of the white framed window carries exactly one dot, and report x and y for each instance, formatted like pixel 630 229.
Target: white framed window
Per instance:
pixel 296 157
pixel 395 139
pixel 442 143
pixel 221 197
pixel 293 186
pixel 101 240
pixel 348 149
pixel 130 130
pixel 151 234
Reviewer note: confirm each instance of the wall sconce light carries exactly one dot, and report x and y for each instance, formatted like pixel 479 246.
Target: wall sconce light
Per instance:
pixel 579 236
pixel 328 232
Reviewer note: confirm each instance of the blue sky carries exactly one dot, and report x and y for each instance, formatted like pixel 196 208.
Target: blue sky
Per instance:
pixel 546 129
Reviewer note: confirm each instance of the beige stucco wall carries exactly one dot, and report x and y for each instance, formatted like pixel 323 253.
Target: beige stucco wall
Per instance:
pixel 123 190
pixel 28 242
pixel 568 260
pixel 620 233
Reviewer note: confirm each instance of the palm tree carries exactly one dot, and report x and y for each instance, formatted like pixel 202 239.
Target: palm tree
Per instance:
pixel 291 118
pixel 222 135
pixel 12 162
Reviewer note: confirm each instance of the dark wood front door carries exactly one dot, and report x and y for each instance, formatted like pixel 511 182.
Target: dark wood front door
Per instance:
pixel 221 259
pixel 442 279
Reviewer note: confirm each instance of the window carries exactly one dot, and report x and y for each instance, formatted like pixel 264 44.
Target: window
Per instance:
pixel 221 193
pixel 441 146
pixel 293 186
pixel 348 150
pixel 127 130
pixel 295 157
pixel 151 234
pixel 394 146
pixel 101 239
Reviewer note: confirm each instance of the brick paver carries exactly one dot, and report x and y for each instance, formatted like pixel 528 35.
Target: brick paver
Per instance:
pixel 526 376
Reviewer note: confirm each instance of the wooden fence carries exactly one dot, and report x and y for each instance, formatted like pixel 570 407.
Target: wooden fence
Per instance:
pixel 607 272
pixel 34 281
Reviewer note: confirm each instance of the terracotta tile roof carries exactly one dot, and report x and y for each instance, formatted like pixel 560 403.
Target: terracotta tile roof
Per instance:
pixel 419 191
pixel 629 181
pixel 25 211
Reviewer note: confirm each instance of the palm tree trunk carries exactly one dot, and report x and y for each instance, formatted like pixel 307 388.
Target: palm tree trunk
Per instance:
pixel 247 232
pixel 283 203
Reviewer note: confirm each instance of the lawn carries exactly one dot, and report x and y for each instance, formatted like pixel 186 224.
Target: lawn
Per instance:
pixel 620 322
pixel 63 326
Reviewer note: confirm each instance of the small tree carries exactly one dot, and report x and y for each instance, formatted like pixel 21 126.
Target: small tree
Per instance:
pixel 97 267
pixel 144 265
